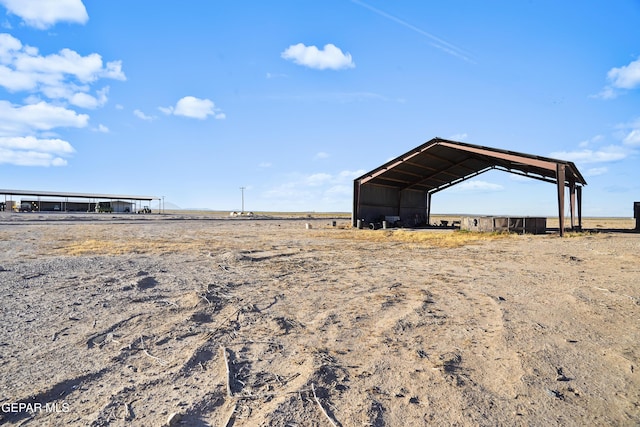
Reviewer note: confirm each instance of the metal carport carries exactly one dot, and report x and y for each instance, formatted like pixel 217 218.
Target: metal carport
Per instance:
pixel 403 186
pixel 66 196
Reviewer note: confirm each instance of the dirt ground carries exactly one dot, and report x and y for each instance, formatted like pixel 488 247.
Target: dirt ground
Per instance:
pixel 175 320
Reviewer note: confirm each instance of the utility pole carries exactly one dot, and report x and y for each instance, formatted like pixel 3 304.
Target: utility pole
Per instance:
pixel 242 189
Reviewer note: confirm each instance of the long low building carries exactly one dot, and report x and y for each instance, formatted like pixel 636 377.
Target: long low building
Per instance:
pixel 52 201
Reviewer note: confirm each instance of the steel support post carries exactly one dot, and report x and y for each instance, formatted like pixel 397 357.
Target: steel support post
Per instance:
pixel 579 199
pixel 560 175
pixel 356 203
pixel 572 202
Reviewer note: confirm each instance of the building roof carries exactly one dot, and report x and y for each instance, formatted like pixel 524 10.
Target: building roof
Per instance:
pixel 441 163
pixel 75 195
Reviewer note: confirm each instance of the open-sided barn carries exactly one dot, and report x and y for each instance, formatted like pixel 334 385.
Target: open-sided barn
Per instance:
pixel 55 201
pixel 403 187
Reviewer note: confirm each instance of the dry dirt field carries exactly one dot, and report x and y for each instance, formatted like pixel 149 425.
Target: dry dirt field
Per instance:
pixel 199 321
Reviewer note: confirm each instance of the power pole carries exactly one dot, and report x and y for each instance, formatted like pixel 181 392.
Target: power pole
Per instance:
pixel 242 189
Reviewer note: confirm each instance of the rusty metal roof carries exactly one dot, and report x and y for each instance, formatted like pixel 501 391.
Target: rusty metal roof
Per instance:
pixel 441 163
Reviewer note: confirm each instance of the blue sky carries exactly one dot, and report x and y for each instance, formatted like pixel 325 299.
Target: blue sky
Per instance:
pixel 294 99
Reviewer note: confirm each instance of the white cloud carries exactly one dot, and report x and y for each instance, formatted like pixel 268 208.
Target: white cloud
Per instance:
pixel 476 185
pixel 611 153
pixel 166 110
pixel 19 120
pixel 19 125
pixel 330 57
pixel 84 100
pixel 43 14
pixel 113 70
pixel 625 77
pixel 632 138
pixel 65 75
pixel 8 45
pixel 30 158
pixel 28 131
pixel 265 165
pixel 142 116
pixel 190 106
pixel 54 66
pixel 606 93
pixel 321 155
pixel 30 143
pixel 31 151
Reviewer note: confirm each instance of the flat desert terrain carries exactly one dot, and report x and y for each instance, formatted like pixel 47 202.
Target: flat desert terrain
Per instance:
pixel 151 320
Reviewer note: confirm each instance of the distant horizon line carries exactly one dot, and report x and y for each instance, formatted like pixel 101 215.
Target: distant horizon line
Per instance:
pixel 226 211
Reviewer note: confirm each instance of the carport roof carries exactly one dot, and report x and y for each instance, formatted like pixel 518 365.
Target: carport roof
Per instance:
pixel 75 195
pixel 441 163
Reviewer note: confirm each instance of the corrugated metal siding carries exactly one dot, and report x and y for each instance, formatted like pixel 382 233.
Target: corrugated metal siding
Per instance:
pixel 376 202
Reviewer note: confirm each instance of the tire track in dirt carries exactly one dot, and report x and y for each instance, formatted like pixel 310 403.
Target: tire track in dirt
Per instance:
pixel 145 350
pixel 418 331
pixel 254 384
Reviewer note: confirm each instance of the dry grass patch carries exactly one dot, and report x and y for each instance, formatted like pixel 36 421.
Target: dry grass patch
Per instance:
pixel 437 238
pixel 82 240
pixel 122 247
